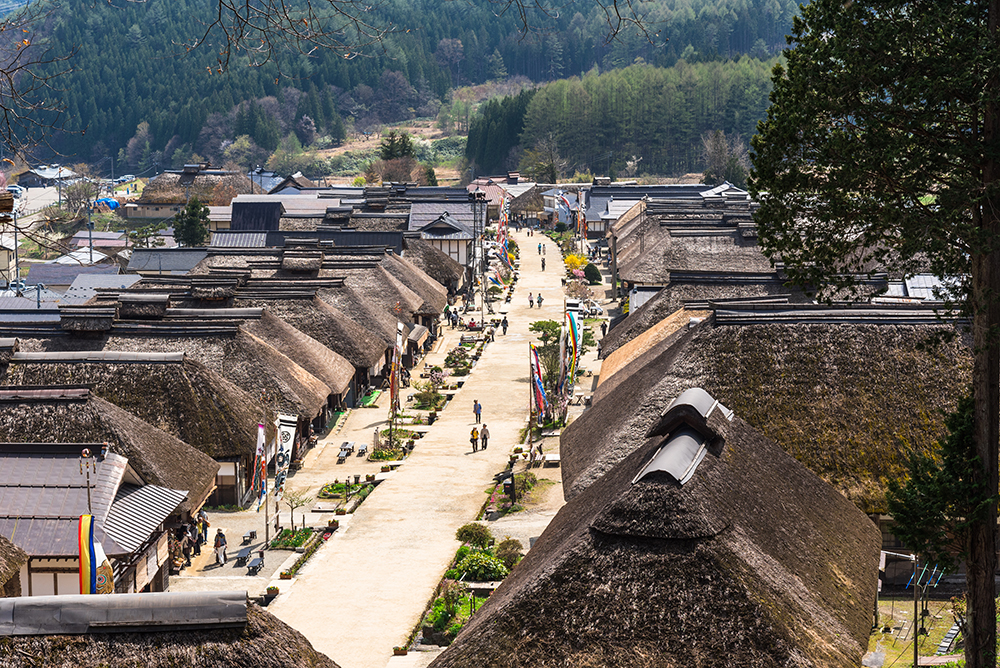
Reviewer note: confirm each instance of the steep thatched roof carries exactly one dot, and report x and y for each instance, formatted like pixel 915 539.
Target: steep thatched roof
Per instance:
pixel 723 570
pixel 648 339
pixel 328 325
pixel 11 559
pixel 186 399
pixel 847 400
pixel 652 261
pixel 171 188
pixel 374 299
pixel 265 642
pixel 323 363
pixel 435 263
pixel 433 293
pixel 30 416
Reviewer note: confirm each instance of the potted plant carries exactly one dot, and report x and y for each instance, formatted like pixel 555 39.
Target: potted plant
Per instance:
pixel 286 575
pixel 333 524
pixel 340 511
pixel 399 651
pixel 272 591
pixel 386 468
pixel 370 477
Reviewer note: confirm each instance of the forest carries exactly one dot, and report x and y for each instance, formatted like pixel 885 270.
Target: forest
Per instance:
pixel 600 122
pixel 129 68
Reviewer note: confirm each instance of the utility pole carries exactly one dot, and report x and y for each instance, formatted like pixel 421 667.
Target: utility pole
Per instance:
pixel 90 231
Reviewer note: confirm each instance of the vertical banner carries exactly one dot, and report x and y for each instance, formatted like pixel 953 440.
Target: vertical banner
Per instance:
pixel 260 469
pixel 538 389
pixel 286 441
pixel 96 576
pixel 574 347
pixel 394 373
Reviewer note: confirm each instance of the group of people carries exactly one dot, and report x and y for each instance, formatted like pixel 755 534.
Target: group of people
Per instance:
pixel 192 535
pixel 532 300
pixel 479 436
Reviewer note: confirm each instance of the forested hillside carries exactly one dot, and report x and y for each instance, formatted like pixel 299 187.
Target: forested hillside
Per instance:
pixel 130 69
pixel 601 121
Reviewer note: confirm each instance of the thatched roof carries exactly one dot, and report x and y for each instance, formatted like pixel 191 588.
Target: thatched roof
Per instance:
pixel 681 290
pixel 172 188
pixel 188 399
pixel 652 261
pixel 30 416
pixel 323 363
pixel 435 263
pixel 11 559
pixel 721 570
pixel 648 339
pixel 847 400
pixel 265 642
pixel 433 293
pixel 374 299
pixel 328 325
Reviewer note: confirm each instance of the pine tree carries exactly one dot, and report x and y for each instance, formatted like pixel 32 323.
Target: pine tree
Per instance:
pixel 191 224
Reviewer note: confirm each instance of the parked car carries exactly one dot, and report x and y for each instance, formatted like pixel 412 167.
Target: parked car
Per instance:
pixel 126 178
pixel 15 190
pixel 585 307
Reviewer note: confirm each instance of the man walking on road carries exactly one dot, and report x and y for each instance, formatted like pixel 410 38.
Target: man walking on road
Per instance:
pixel 531 300
pixel 503 323
pixel 477 408
pixel 220 548
pixel 543 264
pixel 539 300
pixel 604 329
pixel 475 439
pixel 484 436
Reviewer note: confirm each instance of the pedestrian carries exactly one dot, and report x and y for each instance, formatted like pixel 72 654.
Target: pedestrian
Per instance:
pixel 454 319
pixel 531 300
pixel 194 537
pixel 604 329
pixel 543 264
pixel 539 247
pixel 477 409
pixel 503 323
pixel 543 250
pixel 475 439
pixel 220 548
pixel 185 539
pixel 539 298
pixel 490 333
pixel 484 436
pixel 203 516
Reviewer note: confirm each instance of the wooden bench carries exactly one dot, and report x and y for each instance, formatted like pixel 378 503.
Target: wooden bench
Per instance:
pixel 550 460
pixel 468 338
pixel 241 558
pixel 255 565
pixel 345 451
pixel 363 450
pixel 249 537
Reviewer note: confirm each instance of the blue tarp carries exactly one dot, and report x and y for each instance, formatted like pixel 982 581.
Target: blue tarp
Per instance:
pixel 112 203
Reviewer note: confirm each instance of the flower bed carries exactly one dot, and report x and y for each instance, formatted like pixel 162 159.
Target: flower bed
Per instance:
pixel 289 540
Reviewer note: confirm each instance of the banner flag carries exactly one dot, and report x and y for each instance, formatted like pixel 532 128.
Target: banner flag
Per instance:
pixel 286 441
pixel 260 469
pixel 394 370
pixel 536 372
pixel 96 576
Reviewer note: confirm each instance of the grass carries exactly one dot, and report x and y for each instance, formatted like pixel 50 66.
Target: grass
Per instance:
pixel 897 612
pixel 370 399
pixel 289 540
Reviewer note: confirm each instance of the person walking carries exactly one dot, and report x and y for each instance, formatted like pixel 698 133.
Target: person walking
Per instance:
pixel 474 439
pixel 543 264
pixel 531 300
pixel 539 298
pixel 484 436
pixel 203 517
pixel 604 329
pixel 539 247
pixel 477 409
pixel 185 539
pixel 195 537
pixel 503 324
pixel 220 548
pixel 543 250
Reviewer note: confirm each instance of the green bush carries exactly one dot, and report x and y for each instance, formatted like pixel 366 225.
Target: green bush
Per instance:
pixel 439 616
pixel 560 228
pixel 452 574
pixel 462 553
pixel 482 567
pixel 477 535
pixel 509 552
pixel 524 483
pixel 592 274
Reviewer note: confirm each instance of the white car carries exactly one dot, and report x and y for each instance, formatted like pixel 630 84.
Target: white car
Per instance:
pixel 15 190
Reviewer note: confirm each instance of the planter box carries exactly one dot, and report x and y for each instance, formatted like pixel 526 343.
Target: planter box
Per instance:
pixel 285 575
pixel 396 651
pixel 340 511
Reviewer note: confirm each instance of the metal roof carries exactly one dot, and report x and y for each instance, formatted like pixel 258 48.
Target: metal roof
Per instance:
pixel 174 260
pixel 84 256
pixel 422 213
pixel 679 456
pixel 239 239
pixel 138 511
pixel 446 227
pixel 85 286
pixel 65 274
pixel 28 393
pixel 79 614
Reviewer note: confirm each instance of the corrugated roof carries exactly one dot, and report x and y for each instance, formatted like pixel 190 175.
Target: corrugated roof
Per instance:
pixel 84 256
pixel 422 213
pixel 239 239
pixel 99 356
pixel 21 394
pixel 85 286
pixel 174 260
pixel 66 274
pixel 138 511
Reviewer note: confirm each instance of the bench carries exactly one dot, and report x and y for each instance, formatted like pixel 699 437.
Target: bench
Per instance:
pixel 241 558
pixel 550 460
pixel 363 450
pixel 249 536
pixel 255 565
pixel 468 338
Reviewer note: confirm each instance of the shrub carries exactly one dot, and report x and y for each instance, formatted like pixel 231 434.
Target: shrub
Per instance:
pixel 462 553
pixel 509 552
pixel 477 535
pixel 452 574
pixel 560 228
pixel 574 261
pixel 524 483
pixel 593 274
pixel 482 567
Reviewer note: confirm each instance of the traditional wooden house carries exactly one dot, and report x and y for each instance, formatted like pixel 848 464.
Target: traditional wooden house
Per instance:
pixel 143 480
pixel 847 391
pixel 197 629
pixel 683 554
pixel 436 264
pixel 169 192
pixel 451 237
pixel 171 391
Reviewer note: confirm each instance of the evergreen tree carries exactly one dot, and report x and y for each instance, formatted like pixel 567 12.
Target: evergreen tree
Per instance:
pixel 880 151
pixel 191 224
